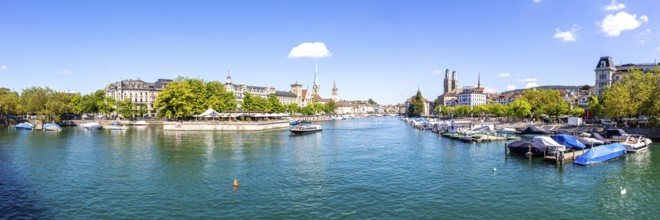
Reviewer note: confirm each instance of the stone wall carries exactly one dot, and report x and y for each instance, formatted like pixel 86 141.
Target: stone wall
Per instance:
pixel 225 126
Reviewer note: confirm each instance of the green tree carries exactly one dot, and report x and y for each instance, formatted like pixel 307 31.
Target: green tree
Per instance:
pixel 633 95
pixel 126 108
pixel 293 108
pixel 330 107
pixel 594 106
pixel 57 105
pixel 175 101
pixel 33 100
pixel 372 102
pixel 274 104
pixel 9 102
pixel 416 107
pixel 577 112
pixel 497 109
pixel 218 98
pixel 520 108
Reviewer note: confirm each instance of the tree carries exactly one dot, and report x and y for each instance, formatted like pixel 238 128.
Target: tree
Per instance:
pixel 594 106
pixel 218 98
pixel 577 112
pixel 330 107
pixel 520 108
pixel 292 108
pixel 372 102
pixel 416 107
pixel 126 108
pixel 9 102
pixel 274 104
pixel 175 101
pixel 497 109
pixel 58 104
pixel 33 100
pixel 633 95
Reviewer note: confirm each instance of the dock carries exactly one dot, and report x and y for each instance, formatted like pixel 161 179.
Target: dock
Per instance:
pixel 567 157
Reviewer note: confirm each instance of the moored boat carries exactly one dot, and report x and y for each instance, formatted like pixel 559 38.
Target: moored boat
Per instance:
pixel 527 147
pixel 600 154
pixel 116 126
pixel 92 126
pixel 636 143
pixel 52 127
pixel 553 146
pixel 506 131
pixel 24 126
pixel 305 129
pixel 568 141
pixel 140 123
pixel 534 130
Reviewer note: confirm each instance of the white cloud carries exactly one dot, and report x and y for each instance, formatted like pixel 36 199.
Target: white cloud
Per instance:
pixel 3 67
pixel 531 85
pixel 614 6
pixel 536 1
pixel 310 50
pixel 614 24
pixel 510 87
pixel 567 36
pixel 64 72
pixel 529 80
pixel 437 71
pixel 658 49
pixel 504 74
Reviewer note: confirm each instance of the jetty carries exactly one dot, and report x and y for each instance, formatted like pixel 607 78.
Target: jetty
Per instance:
pixel 565 157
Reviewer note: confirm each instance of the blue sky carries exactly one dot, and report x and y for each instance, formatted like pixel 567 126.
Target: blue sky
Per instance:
pixel 378 49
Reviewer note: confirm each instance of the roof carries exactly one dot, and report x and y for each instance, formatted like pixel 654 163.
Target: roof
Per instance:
pixel 285 94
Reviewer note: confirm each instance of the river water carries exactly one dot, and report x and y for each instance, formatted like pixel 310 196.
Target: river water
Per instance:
pixel 371 168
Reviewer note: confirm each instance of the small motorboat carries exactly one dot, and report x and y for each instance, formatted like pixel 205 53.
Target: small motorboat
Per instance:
pixel 553 146
pixel 305 129
pixel 506 131
pixel 140 123
pixel 527 148
pixel 116 126
pixel 92 126
pixel 534 130
pixel 24 126
pixel 635 143
pixel 52 127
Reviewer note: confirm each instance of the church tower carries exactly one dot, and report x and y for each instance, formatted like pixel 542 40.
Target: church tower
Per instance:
pixel 316 87
pixel 446 82
pixel 228 81
pixel 454 81
pixel 335 97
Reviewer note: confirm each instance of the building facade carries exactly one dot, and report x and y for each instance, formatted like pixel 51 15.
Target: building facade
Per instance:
pixel 141 93
pixel 450 91
pixel 607 73
pixel 473 96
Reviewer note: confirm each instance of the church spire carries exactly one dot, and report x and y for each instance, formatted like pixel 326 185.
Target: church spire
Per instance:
pixel 479 80
pixel 228 78
pixel 316 75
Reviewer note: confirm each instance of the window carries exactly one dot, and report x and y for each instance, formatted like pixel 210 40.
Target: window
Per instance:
pixel 603 76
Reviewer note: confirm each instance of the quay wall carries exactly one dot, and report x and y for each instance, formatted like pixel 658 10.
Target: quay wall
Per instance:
pixel 225 126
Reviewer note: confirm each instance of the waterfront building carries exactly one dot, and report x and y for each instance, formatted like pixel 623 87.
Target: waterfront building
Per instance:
pixel 473 96
pixel 451 90
pixel 607 72
pixel 239 91
pixel 355 108
pixel 428 106
pixel 141 93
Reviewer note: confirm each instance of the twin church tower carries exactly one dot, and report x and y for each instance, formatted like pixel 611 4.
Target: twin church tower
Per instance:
pixel 450 85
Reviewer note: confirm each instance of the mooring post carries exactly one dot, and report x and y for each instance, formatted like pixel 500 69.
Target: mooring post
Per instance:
pixel 529 152
pixel 506 155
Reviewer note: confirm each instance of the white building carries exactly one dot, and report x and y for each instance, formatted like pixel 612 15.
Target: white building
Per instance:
pixel 139 92
pixel 473 96
pixel 607 73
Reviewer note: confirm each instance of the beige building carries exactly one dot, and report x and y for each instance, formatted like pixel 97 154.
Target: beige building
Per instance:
pixel 139 92
pixel 450 93
pixel 607 73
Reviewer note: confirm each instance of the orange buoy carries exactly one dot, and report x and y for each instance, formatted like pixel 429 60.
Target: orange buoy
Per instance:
pixel 235 182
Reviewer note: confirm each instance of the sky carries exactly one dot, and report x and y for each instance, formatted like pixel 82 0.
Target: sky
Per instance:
pixel 381 49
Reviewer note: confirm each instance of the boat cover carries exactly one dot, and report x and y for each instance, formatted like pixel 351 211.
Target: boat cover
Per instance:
pixel 24 125
pixel 522 147
pixel 614 132
pixel 534 130
pixel 582 140
pixel 568 141
pixel 600 154
pixel 551 144
pixel 51 126
pixel 600 138
pixel 483 128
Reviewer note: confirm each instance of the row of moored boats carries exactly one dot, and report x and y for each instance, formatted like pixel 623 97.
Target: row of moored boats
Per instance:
pixel 87 126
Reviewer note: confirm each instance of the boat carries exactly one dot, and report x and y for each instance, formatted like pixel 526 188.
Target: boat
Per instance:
pixel 140 123
pixel 92 126
pixel 465 139
pixel 534 130
pixel 635 143
pixel 568 141
pixel 597 136
pixel 525 147
pixel 116 126
pixel 600 154
pixel 24 126
pixel 293 123
pixel 506 131
pixel 552 145
pixel 305 129
pixel 52 127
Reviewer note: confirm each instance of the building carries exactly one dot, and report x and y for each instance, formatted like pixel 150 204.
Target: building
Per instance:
pixel 427 105
pixel 335 96
pixel 239 91
pixel 139 92
pixel 607 73
pixel 451 90
pixel 473 96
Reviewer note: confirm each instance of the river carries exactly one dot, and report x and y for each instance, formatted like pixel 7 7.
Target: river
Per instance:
pixel 374 168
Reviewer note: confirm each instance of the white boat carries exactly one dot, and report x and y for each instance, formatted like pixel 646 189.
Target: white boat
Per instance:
pixel 140 123
pixel 116 126
pixel 552 145
pixel 92 126
pixel 51 127
pixel 593 141
pixel 506 131
pixel 634 143
pixel 305 129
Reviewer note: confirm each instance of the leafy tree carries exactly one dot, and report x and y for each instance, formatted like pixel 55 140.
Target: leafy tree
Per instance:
pixel 330 107
pixel 58 104
pixel 594 106
pixel 274 104
pixel 9 102
pixel 633 95
pixel 497 109
pixel 126 108
pixel 175 101
pixel 416 108
pixel 520 108
pixel 577 112
pixel 33 100
pixel 372 102
pixel 218 98
pixel 293 108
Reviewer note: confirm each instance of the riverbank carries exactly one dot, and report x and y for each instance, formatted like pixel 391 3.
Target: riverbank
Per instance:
pixel 225 125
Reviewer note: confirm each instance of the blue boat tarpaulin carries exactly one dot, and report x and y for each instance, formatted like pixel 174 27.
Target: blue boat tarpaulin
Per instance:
pixel 600 154
pixel 568 141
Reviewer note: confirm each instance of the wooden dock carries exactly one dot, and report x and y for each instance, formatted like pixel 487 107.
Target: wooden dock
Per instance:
pixel 567 157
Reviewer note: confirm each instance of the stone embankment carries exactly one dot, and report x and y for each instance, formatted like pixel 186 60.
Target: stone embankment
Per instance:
pixel 225 125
